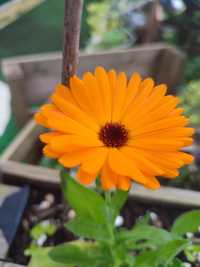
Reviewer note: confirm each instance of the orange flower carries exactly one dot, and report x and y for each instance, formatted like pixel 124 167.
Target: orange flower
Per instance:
pixel 123 130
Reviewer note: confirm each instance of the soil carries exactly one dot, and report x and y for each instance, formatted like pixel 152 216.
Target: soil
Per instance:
pixel 47 206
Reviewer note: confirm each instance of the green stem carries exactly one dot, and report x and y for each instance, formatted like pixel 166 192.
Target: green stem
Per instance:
pixel 111 229
pixel 109 217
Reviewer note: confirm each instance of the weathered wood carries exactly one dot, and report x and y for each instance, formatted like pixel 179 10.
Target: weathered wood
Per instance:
pixel 72 24
pixel 171 67
pixel 31 174
pixel 170 195
pixel 152 28
pixel 12 203
pixel 8 264
pixel 24 143
pixel 39 74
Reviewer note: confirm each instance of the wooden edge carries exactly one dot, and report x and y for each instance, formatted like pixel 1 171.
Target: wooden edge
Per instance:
pixel 30 174
pixel 29 128
pixel 58 55
pixel 8 264
pixel 170 195
pixel 170 71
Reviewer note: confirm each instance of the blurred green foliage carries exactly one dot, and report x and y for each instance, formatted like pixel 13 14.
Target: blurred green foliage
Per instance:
pixel 4 1
pixel 192 71
pixel 190 96
pixel 107 24
pixel 40 230
pixel 39 30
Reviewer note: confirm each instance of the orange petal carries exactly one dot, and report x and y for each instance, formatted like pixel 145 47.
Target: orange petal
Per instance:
pixel 74 112
pixel 187 158
pixel 104 85
pixel 65 143
pixel 95 160
pixel 162 124
pixel 123 166
pixel 123 183
pixel 132 90
pixel 50 153
pixel 61 123
pixel 156 144
pixel 152 183
pixel 108 178
pixel 85 178
pixel 64 92
pixel 47 137
pixel 80 94
pixel 119 96
pixel 95 94
pixel 74 158
pixel 141 162
pixel 41 120
pixel 112 76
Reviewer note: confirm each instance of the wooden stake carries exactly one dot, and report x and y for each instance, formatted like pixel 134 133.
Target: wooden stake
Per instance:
pixel 72 26
pixel 152 28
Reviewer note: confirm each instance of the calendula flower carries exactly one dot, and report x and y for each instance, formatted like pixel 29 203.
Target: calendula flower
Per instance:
pixel 121 130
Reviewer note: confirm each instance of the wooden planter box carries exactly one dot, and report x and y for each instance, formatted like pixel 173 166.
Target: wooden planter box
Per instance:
pixel 32 79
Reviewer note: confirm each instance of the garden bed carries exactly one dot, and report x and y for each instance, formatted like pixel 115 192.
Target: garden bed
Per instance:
pixel 46 207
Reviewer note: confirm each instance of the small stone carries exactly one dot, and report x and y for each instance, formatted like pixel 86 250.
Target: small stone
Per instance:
pixel 187 264
pixel 45 223
pixel 42 240
pixel 153 216
pixel 189 235
pixel 50 198
pixel 71 214
pixel 119 221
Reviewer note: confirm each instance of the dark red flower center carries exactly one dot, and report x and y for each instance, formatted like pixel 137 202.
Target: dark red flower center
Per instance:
pixel 113 134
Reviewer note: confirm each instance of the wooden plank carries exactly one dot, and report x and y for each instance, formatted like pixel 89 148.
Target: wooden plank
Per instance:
pixel 7 264
pixel 12 203
pixel 24 143
pixel 170 195
pixel 170 69
pixel 31 174
pixel 39 175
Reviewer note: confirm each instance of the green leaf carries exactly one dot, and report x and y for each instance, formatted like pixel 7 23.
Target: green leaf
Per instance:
pixel 188 222
pixel 146 259
pixel 80 253
pixel 154 235
pixel 165 254
pixel 170 250
pixel 86 228
pixel 86 202
pixel 176 263
pixel 42 228
pixel 40 258
pixel 118 201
